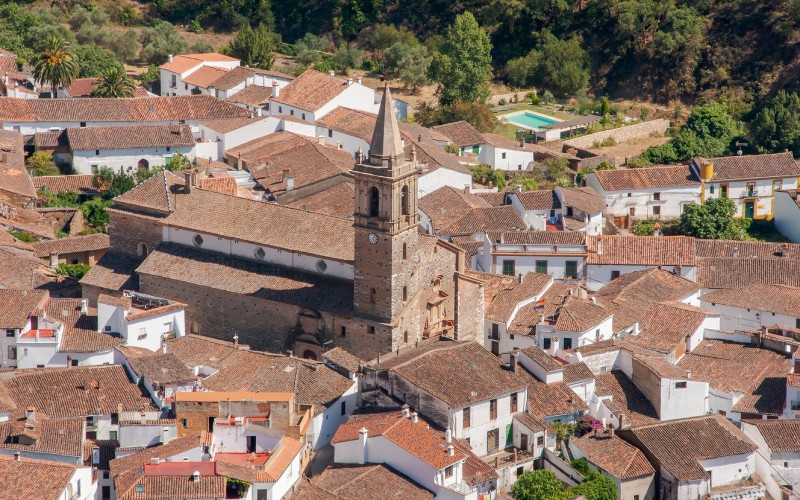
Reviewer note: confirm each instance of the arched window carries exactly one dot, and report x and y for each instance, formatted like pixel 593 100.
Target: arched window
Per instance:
pixel 404 201
pixel 405 251
pixel 372 293
pixel 142 249
pixel 374 202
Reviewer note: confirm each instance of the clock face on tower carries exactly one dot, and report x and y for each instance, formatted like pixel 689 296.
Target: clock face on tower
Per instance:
pixel 373 238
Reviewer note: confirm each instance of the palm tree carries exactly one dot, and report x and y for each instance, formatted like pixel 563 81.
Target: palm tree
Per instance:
pixel 56 65
pixel 114 83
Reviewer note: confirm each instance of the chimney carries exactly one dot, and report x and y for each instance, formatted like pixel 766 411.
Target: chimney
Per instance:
pixel 541 319
pixel 448 435
pixel 349 81
pixel 5 78
pixel 332 73
pixel 519 278
pixel 611 432
pixel 17 456
pixel 95 455
pixel 196 476
pixel 290 183
pixel 30 413
pixel 169 58
pixel 164 433
pixel 519 188
pixel 235 340
pixel 514 360
pixel 258 112
pixel 406 411
pixel 84 307
pixel 239 162
pixel 163 346
pixel 600 244
pixel 321 140
pixel 154 461
pixel 276 91
pixel 414 417
pixel 450 450
pixel 594 300
pixel 359 80
pixel 363 434
pixel 187 181
pixel 635 329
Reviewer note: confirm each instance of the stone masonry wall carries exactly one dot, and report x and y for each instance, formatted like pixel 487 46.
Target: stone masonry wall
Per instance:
pixel 622 134
pixel 127 231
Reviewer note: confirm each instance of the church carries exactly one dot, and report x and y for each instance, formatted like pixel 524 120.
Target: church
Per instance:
pixel 285 279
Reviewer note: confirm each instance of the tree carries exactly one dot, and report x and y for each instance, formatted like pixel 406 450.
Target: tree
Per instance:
pixel 56 65
pixel 581 465
pixel 152 75
pixel 93 61
pixel 348 57
pixel 476 114
pixel 537 485
pixel 110 184
pixel 179 162
pixel 776 125
pixel 253 47
pixel 161 41
pixel 409 62
pixel 463 64
pixel 604 107
pixel 41 163
pixel 114 83
pixel 714 219
pixel 561 65
pixel 350 18
pixel 76 271
pixel 94 211
pixel 595 487
pixel 547 98
pixel 387 35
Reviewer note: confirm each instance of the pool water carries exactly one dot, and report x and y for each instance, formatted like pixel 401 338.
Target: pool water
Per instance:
pixel 531 120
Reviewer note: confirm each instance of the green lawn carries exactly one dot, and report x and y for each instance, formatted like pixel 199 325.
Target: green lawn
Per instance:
pixel 506 130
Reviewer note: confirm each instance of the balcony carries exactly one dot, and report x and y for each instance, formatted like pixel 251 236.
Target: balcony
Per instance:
pixel 795 405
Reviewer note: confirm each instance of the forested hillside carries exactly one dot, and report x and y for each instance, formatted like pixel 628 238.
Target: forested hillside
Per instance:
pixel 663 49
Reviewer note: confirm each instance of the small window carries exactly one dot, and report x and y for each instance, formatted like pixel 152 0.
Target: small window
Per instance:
pixel 114 418
pixel 448 472
pixel 304 116
pixel 629 195
pixel 108 328
pixel 569 211
pixel 321 266
pixel 330 132
pixel 712 189
pixel 344 408
pixel 198 240
pixel 657 210
pixel 541 266
pixel 514 402
pixel 96 151
pixel 371 329
pixel 260 253
pixel 539 440
pixel 169 149
pixel 9 333
pixel 503 156
pixel 343 332
pixel 291 112
pixel 723 191
pixel 466 417
pixel 83 124
pixel 567 343
pixel 508 267
pixel 571 269
pixel 614 275
pixel 405 294
pixel 680 385
pixel 405 337
pixel 185 86
pixel 95 169
pixel 657 196
pixel 112 435
pixel 372 294
pixel 139 488
pixel 405 251
pixel 492 409
pixel 280 109
pixel 547 342
pixel 184 423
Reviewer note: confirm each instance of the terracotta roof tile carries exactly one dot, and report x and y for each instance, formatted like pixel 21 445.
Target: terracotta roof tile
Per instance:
pixel 337 201
pixel 135 110
pixel 76 391
pixel 477 220
pixel 528 316
pixel 161 368
pixel 351 122
pixel 135 461
pixel 232 78
pixel 23 272
pixel 358 482
pixel 34 479
pixel 340 357
pixel 641 250
pixel 780 299
pixel 16 306
pixel 253 95
pixel 494 199
pixel 204 76
pixel 742 272
pixel 460 133
pixel 84 87
pixel 646 178
pixel 447 205
pixel 542 359
pixel 614 455
pixel 156 193
pixel 745 249
pixel 751 166
pixel 416 438
pixel 679 446
pixel 665 326
pixel 430 156
pixel 14 177
pixel 505 301
pixel 114 271
pixel 52 139
pixel 577 372
pixel 545 199
pixel 81 184
pixel 74 244
pixel 80 330
pixel 171 487
pixel 60 437
pixel 311 90
pixel 551 400
pixel 184 62
pixel 584 199
pixel 537 238
pixel 782 436
pixel 225 125
pixel 140 136
pixel 577 315
pixel 627 399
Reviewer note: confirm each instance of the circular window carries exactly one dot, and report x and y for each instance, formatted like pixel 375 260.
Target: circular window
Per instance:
pixel 198 240
pixel 322 266
pixel 260 253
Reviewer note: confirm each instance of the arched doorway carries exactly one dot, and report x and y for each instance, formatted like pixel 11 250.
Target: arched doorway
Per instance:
pixel 142 249
pixel 143 164
pixel 309 354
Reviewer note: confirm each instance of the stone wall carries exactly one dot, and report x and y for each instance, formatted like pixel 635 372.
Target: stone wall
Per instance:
pixel 622 134
pixel 128 230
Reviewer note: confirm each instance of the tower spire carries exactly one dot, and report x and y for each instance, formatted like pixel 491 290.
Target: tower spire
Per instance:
pixel 386 142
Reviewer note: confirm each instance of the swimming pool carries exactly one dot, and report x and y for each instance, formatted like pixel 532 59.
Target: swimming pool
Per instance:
pixel 530 120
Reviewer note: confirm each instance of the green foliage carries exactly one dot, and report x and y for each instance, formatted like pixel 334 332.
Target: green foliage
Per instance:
pixel 409 62
pixel 62 199
pixel 554 171
pixel 253 47
pixel 595 487
pixel 201 46
pixel 310 48
pixel 114 83
pixel 526 182
pixel 387 35
pixel 41 163
pixel 604 107
pixel 708 132
pixel 76 271
pixel 224 15
pixel 93 61
pixel 561 65
pixel 153 74
pixel 580 178
pixel 94 211
pixel 350 18
pixel 56 65
pixel 547 98
pixel 179 162
pixel 110 184
pixel 563 430
pixel 484 174
pixel 349 57
pixel 776 124
pixel 24 237
pixel 539 484
pixel 714 219
pixel 160 41
pixel 646 227
pixel 581 465
pixel 463 64
pixel 476 114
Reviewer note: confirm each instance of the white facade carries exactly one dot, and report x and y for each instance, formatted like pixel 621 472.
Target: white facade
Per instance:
pixel 88 162
pixel 556 259
pixel 172 83
pixel 213 144
pixel 324 425
pixel 481 421
pixel 432 180
pixel 787 216
pixel 145 434
pixel 739 318
pixel 505 159
pixel 599 275
pixel 644 203
pixel 147 331
pixel 551 339
pixel 756 193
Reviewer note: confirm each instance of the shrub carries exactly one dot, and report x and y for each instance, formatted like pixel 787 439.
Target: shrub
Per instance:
pixel 25 237
pixel 581 465
pixel 502 102
pixel 76 271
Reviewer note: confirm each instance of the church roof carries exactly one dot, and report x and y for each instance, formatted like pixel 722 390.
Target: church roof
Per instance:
pixel 386 137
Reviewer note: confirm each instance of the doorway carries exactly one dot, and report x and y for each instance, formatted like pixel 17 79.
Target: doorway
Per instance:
pixel 749 209
pixel 492 441
pixel 251 444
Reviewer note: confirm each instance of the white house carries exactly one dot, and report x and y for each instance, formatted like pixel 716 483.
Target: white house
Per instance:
pixel 127 149
pixel 576 322
pixel 778 457
pixel 142 320
pixel 26 478
pixel 218 136
pixel 561 209
pixel 466 138
pixel 786 215
pixel 405 443
pixel 183 74
pixel 755 306
pixel 502 153
pixel 557 253
pixel 697 457
pixel 162 374
pixel 751 181
pixel 658 192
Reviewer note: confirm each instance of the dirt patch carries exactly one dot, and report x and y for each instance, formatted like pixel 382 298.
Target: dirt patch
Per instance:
pixel 631 148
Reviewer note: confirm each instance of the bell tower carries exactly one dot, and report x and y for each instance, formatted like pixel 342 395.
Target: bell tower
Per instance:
pixel 385 221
